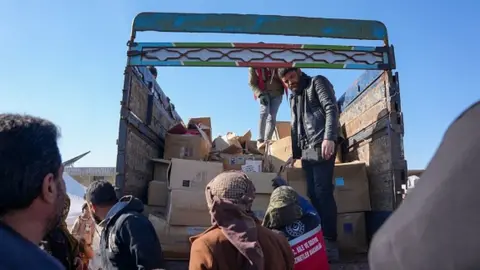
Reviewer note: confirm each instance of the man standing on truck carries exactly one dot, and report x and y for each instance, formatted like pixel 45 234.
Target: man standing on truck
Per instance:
pixel 268 89
pixel 32 190
pixel 314 136
pixel 128 239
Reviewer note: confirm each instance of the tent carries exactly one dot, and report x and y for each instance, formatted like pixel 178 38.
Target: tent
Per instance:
pixel 75 191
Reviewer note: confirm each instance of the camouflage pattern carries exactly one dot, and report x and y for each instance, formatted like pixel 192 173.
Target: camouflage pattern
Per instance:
pixel 283 208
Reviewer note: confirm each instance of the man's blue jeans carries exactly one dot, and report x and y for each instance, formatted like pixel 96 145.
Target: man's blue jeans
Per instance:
pixel 320 188
pixel 268 118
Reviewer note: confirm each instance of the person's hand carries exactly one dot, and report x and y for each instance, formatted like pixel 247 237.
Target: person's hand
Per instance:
pixel 278 182
pixel 263 99
pixel 328 148
pixel 290 162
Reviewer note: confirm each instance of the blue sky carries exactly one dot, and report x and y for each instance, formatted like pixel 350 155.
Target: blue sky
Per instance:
pixel 64 60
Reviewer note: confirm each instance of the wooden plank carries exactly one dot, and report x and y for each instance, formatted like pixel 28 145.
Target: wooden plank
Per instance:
pixel 138 167
pixel 374 151
pixel 161 121
pixel 370 106
pixel 138 101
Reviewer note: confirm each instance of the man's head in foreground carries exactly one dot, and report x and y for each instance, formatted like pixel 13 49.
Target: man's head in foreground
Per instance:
pixel 290 77
pixel 101 197
pixel 32 190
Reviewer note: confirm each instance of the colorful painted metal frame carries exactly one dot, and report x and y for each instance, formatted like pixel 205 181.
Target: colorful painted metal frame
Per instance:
pixel 260 54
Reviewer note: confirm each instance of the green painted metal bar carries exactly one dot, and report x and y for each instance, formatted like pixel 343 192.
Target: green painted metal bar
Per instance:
pixel 259 24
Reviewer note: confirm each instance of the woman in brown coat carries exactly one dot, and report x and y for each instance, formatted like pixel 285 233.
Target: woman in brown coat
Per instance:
pixel 236 240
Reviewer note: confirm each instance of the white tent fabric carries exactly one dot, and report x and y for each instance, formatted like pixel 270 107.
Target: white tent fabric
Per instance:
pixel 75 191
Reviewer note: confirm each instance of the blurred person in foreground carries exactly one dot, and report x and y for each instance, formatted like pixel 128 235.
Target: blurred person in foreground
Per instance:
pixel 237 240
pixel 32 190
pixel 61 244
pixel 301 226
pixel 436 227
pixel 128 239
pixel 315 135
pixel 84 231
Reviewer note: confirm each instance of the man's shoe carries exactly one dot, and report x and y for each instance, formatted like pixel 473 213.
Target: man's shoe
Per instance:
pixel 332 251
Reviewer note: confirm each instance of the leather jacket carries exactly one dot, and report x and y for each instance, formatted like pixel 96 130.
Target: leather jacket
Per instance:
pixel 315 115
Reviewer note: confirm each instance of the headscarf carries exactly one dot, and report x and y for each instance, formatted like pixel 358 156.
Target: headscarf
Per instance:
pixel 283 208
pixel 229 198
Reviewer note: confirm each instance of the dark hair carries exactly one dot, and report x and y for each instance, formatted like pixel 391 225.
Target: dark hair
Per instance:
pixel 28 152
pixel 153 70
pixel 84 206
pixel 101 193
pixel 283 71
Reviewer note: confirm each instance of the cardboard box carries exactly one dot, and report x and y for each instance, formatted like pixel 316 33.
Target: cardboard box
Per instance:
pixel 297 180
pixel 204 123
pixel 262 181
pixel 192 174
pixel 282 130
pixel 280 152
pixel 350 181
pixel 351 230
pixel 253 166
pixel 157 193
pixel 174 239
pixel 351 187
pixel 160 169
pixel 235 162
pixel 188 208
pixel 186 146
pixel 260 205
pixel 154 210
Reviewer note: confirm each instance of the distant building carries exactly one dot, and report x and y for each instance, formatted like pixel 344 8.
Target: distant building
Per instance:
pixel 87 175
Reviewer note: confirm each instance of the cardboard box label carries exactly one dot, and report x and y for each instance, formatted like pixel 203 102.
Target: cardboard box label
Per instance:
pixel 352 234
pixel 339 181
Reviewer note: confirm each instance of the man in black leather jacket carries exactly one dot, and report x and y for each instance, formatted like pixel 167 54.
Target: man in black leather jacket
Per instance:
pixel 314 136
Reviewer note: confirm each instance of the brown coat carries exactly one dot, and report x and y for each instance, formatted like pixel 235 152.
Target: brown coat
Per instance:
pixel 211 250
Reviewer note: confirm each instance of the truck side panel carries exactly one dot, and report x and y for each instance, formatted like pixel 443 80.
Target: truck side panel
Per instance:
pixel 373 124
pixel 145 118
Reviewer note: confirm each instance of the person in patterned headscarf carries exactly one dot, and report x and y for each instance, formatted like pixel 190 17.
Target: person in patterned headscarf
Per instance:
pixel 61 244
pixel 236 240
pixel 286 217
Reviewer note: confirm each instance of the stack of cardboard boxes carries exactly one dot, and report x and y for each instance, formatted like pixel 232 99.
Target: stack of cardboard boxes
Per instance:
pixel 176 196
pixel 351 193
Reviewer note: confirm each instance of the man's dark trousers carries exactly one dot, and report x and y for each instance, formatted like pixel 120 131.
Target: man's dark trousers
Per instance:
pixel 320 188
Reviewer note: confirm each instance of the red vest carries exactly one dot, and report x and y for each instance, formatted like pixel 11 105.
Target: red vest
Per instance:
pixel 309 251
pixel 263 75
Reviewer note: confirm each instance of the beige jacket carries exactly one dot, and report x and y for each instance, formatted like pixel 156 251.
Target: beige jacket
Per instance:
pixel 84 228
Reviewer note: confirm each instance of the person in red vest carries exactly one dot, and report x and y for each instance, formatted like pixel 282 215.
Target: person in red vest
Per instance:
pixel 268 89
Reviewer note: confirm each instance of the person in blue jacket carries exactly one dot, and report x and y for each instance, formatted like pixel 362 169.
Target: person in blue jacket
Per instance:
pixel 305 205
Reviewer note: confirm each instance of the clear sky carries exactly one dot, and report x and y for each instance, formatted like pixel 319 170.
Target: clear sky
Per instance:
pixel 64 60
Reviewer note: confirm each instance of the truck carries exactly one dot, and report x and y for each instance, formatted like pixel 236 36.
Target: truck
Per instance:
pixel 371 113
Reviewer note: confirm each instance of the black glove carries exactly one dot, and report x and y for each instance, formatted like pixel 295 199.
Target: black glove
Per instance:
pixel 264 99
pixel 278 182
